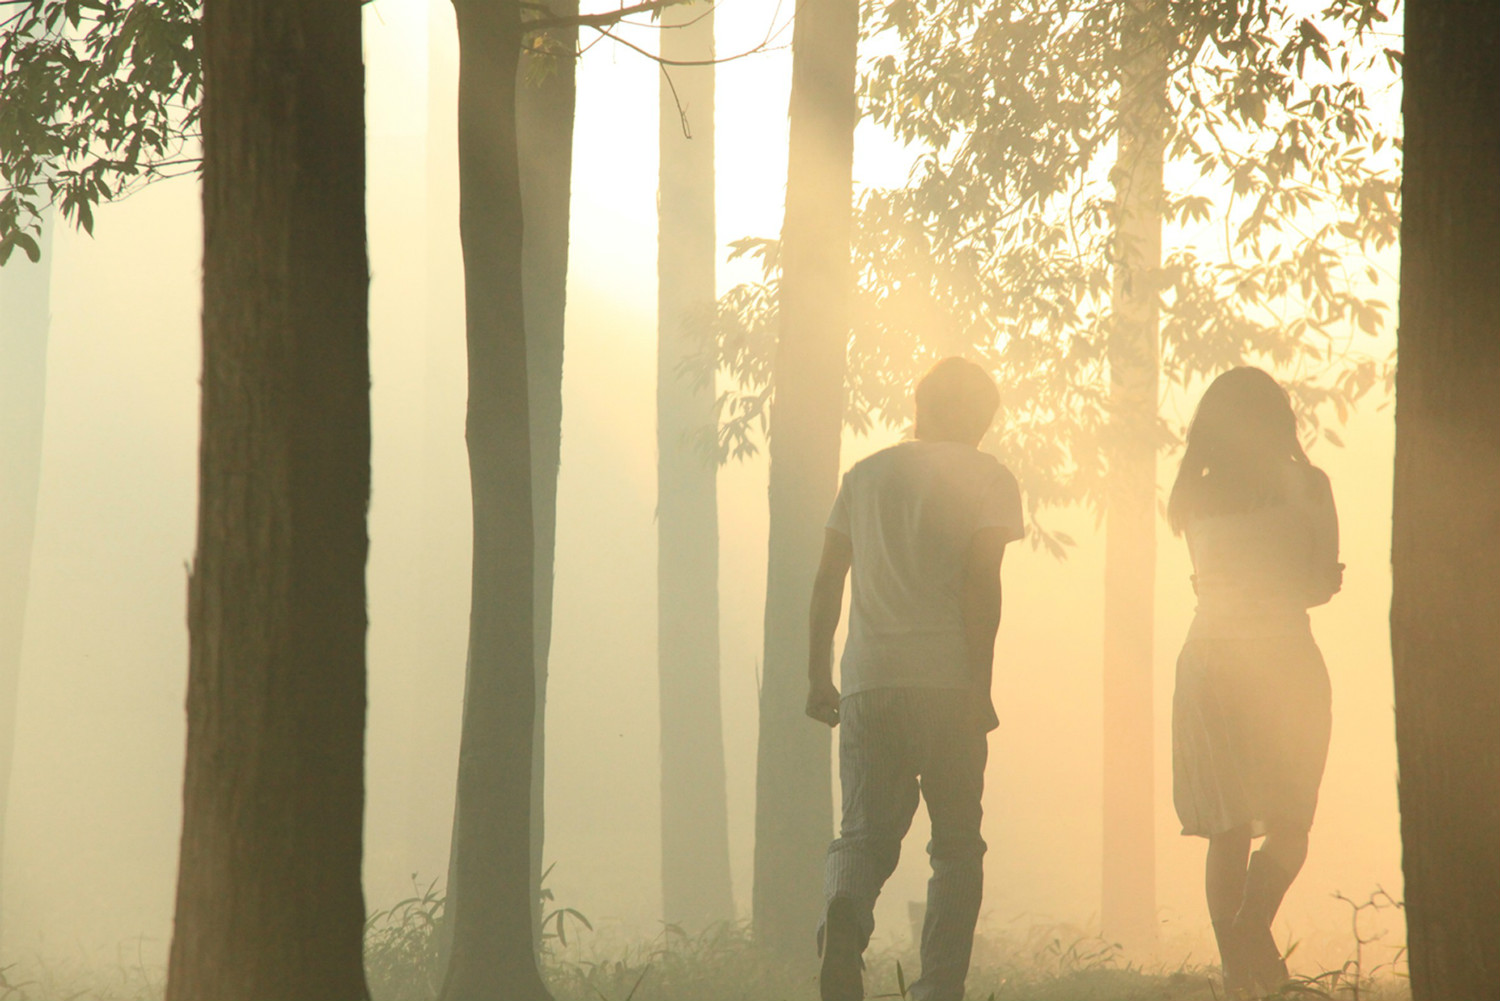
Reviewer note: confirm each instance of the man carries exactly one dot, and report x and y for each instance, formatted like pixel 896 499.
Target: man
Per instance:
pixel 924 525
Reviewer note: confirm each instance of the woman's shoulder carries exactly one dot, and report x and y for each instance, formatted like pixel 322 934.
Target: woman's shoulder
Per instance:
pixel 1310 484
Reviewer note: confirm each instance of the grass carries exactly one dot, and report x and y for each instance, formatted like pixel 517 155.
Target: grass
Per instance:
pixel 1035 962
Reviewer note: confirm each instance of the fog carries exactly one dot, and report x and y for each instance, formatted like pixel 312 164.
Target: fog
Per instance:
pixel 90 858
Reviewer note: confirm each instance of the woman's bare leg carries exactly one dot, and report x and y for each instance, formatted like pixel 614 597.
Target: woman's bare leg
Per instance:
pixel 1224 873
pixel 1288 848
pixel 1267 879
pixel 1224 881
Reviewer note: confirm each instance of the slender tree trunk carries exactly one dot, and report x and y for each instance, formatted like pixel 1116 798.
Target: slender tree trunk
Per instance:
pixel 489 894
pixel 25 315
pixel 442 506
pixel 1445 561
pixel 794 796
pixel 696 889
pixel 269 904
pixel 1128 911
pixel 544 126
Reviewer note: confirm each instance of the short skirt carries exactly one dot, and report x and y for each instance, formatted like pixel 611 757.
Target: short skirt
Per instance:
pixel 1251 718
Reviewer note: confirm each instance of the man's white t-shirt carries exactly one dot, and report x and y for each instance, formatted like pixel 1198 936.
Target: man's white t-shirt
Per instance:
pixel 911 511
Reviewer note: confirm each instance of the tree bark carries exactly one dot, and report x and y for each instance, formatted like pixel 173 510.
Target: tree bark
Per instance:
pixel 696 890
pixel 269 905
pixel 1128 906
pixel 544 127
pixel 25 316
pixel 489 894
pixel 794 796
pixel 1445 560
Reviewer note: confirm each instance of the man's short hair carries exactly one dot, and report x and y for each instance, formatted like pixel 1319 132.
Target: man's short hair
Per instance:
pixel 956 400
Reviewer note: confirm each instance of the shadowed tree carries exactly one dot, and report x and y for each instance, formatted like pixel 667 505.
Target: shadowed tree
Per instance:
pixel 1128 905
pixel 489 895
pixel 793 781
pixel 544 132
pixel 544 137
pixel 696 889
pixel 130 115
pixel 269 904
pixel 25 316
pixel 515 163
pixel 1445 558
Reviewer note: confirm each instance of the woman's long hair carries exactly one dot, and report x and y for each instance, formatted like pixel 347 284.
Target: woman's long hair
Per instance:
pixel 1243 436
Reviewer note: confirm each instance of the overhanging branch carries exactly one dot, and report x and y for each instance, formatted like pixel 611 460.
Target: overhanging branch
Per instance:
pixel 601 20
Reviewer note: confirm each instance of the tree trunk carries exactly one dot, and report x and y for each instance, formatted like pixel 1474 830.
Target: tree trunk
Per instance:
pixel 489 894
pixel 442 506
pixel 25 315
pixel 1128 908
pixel 696 891
pixel 544 127
pixel 269 904
pixel 794 796
pixel 1445 561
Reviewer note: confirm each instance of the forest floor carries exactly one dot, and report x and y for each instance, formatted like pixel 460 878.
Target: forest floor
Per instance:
pixel 1046 963
pixel 726 967
pixel 725 972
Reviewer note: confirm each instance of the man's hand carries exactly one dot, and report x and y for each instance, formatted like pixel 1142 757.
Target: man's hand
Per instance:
pixel 823 620
pixel 823 702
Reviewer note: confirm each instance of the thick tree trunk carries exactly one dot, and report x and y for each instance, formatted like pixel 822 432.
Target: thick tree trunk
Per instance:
pixel 794 797
pixel 25 315
pixel 696 889
pixel 544 127
pixel 1128 908
pixel 489 895
pixel 1445 634
pixel 269 904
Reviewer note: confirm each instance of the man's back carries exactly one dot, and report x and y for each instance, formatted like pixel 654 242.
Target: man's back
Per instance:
pixel 911 511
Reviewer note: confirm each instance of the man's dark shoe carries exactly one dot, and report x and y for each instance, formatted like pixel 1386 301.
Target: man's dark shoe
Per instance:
pixel 841 977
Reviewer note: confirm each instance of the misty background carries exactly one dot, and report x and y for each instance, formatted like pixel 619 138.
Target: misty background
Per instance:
pixel 90 863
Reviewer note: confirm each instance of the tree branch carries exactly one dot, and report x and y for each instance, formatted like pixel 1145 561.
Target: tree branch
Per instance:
pixel 762 47
pixel 604 20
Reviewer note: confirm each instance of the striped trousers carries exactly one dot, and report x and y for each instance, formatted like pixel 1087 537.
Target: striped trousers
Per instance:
pixel 896 745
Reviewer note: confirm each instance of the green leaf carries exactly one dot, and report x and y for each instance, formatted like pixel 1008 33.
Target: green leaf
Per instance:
pixel 25 241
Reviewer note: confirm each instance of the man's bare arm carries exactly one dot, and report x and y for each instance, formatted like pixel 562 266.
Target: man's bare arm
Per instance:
pixel 827 605
pixel 982 599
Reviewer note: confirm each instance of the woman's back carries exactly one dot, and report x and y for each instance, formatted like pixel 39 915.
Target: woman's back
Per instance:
pixel 1257 571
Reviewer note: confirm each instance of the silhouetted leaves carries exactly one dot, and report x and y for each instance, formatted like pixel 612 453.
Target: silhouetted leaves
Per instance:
pixel 1282 187
pixel 96 98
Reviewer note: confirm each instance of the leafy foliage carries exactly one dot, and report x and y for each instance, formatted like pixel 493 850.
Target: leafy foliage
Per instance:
pixel 97 97
pixel 1282 193
pixel 100 97
pixel 402 953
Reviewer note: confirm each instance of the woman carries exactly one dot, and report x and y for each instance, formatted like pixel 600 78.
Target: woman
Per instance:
pixel 1250 717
